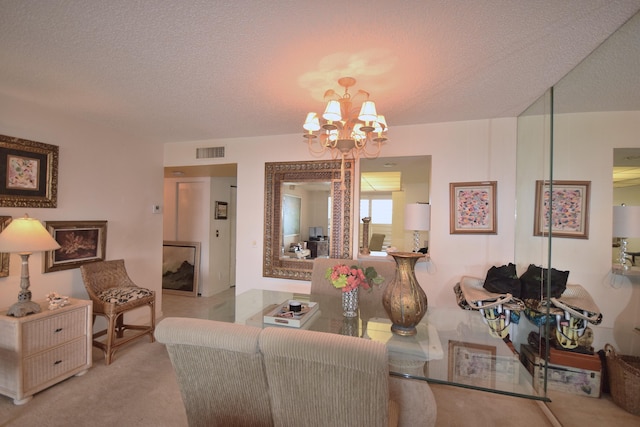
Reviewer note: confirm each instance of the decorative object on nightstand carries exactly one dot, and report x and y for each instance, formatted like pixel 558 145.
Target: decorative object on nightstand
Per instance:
pixel 626 223
pixel 417 217
pixel 25 236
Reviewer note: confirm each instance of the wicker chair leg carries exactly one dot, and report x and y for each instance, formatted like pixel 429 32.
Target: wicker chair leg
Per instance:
pixel 111 338
pixel 153 320
pixel 120 327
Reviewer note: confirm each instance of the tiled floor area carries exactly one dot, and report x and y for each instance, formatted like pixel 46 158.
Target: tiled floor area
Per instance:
pixel 457 406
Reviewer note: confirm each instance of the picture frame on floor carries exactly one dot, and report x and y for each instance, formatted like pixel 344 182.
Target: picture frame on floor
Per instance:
pixel 180 267
pixel 472 364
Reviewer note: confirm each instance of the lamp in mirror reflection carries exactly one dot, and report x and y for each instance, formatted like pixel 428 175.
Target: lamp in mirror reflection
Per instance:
pixel 417 217
pixel 350 126
pixel 25 236
pixel 626 224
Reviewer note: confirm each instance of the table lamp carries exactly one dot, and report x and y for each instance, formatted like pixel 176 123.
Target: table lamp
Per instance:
pixel 626 223
pixel 417 217
pixel 25 236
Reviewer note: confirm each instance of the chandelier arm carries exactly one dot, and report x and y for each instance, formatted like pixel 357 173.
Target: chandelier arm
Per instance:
pixel 374 153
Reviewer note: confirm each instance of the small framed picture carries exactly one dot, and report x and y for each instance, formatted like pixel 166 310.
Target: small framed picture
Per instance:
pixel 80 242
pixel 28 173
pixel 472 364
pixel 567 208
pixel 221 210
pixel 473 208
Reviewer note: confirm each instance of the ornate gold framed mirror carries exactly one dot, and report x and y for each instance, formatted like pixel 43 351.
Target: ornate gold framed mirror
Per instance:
pixel 296 228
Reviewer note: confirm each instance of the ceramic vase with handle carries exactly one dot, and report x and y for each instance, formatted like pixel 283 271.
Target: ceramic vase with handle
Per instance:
pixel 404 300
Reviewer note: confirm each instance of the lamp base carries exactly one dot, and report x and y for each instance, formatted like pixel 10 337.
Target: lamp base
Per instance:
pixel 23 308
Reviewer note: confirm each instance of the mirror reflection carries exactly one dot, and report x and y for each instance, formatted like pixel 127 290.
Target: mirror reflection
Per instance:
pixel 307 215
pixel 387 185
pixel 306 220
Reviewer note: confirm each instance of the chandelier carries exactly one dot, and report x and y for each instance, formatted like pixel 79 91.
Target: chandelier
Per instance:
pixel 347 131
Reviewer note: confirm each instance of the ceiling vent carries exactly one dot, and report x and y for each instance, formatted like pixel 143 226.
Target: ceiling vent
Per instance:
pixel 209 153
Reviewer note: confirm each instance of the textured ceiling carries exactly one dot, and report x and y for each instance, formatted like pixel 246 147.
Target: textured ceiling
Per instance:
pixel 170 70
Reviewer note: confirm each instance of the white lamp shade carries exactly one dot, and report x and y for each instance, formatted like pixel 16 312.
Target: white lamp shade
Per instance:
pixel 332 112
pixel 417 216
pixel 626 221
pixel 26 235
pixel 368 112
pixel 312 123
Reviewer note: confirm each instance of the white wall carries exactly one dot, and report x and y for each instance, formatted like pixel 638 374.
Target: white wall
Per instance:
pixel 104 174
pixel 464 151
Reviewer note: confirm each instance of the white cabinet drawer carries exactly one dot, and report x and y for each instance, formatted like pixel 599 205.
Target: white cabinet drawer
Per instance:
pixel 53 330
pixel 49 365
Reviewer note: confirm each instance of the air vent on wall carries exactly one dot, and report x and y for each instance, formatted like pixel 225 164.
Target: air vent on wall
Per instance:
pixel 209 152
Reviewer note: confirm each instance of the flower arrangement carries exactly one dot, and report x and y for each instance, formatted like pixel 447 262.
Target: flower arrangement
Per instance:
pixel 348 278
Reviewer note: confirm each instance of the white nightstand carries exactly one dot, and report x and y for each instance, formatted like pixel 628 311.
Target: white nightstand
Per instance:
pixel 40 350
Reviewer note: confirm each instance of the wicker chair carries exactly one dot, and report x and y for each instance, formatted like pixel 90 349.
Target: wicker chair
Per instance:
pixel 113 293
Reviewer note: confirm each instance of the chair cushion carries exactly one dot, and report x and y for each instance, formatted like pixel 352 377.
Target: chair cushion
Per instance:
pixel 123 295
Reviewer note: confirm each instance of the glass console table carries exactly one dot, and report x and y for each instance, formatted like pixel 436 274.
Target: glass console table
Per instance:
pixel 452 346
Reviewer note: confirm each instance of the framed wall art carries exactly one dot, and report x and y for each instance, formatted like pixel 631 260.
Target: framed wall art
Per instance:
pixel 565 213
pixel 28 173
pixel 472 364
pixel 180 267
pixel 4 256
pixel 221 210
pixel 80 242
pixel 473 208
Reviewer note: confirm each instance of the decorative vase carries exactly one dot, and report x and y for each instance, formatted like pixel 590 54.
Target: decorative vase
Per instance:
pixel 404 300
pixel 350 303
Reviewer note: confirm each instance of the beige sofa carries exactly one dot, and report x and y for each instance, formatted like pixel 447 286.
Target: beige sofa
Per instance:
pixel 239 375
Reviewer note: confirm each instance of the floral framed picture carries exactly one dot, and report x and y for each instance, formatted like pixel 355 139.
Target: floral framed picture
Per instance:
pixel 80 242
pixel 473 208
pixel 562 209
pixel 472 364
pixel 28 173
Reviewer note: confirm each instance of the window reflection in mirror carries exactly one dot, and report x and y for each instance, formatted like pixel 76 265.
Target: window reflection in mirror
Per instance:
pixel 387 184
pixel 306 220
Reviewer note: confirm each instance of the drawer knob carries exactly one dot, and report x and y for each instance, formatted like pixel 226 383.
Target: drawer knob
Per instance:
pixel 58 330
pixel 57 362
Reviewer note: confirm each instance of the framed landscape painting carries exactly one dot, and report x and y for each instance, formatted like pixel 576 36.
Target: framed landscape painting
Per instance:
pixel 180 267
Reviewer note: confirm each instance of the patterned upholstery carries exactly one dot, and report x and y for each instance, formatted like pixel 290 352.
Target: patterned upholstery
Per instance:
pixel 119 296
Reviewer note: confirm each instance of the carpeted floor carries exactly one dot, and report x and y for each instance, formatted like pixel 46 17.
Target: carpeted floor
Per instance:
pixel 139 388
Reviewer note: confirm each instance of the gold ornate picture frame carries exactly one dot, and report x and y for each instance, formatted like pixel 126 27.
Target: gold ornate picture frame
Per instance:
pixel 80 242
pixel 28 173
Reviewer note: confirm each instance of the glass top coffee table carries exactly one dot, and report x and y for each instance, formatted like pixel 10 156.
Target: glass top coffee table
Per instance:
pixel 452 346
